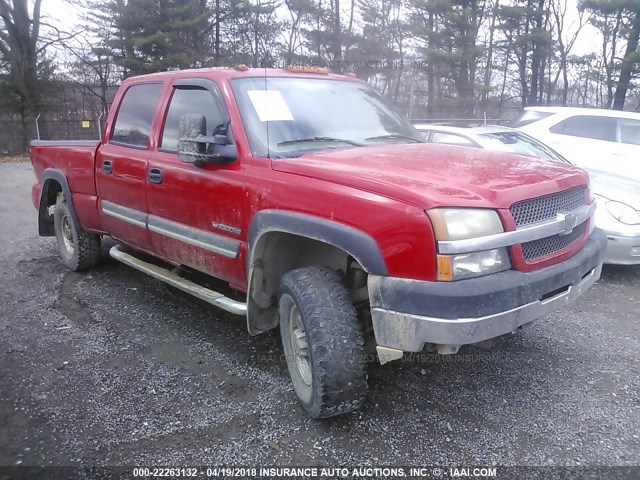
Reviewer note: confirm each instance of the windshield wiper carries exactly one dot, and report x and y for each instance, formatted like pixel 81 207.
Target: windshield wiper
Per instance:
pixel 394 136
pixel 320 139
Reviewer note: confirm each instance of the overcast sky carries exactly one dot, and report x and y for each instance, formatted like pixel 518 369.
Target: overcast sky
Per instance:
pixel 67 15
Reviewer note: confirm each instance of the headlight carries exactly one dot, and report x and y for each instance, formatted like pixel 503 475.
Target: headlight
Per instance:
pixel 623 212
pixel 461 224
pixel 468 265
pixel 591 193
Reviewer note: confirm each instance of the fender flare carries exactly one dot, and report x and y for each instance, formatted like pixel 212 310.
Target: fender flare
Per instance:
pixel 352 241
pixel 356 243
pixel 45 227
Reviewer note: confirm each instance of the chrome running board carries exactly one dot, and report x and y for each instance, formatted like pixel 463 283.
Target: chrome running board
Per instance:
pixel 167 276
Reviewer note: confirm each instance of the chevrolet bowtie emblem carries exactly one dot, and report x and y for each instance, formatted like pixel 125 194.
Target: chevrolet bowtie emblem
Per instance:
pixel 569 222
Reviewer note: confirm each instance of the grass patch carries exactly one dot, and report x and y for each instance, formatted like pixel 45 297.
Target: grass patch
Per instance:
pixel 14 158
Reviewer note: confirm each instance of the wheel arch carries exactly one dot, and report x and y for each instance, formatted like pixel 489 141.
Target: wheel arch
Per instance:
pixel 52 182
pixel 280 241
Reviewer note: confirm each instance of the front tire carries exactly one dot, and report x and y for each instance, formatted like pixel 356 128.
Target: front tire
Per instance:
pixel 79 250
pixel 322 342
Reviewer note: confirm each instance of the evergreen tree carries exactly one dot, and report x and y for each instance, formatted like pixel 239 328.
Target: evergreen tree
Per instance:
pixel 156 35
pixel 630 9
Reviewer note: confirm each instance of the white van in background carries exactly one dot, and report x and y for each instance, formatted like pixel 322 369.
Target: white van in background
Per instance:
pixel 605 140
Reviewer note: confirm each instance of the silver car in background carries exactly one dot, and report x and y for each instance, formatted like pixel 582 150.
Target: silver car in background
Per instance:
pixel 618 215
pixel 618 212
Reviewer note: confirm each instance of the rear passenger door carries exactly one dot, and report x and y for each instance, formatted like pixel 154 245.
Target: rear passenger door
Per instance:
pixel 121 165
pixel 194 215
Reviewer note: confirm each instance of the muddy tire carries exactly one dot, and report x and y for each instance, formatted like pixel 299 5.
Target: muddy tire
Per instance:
pixel 322 341
pixel 79 250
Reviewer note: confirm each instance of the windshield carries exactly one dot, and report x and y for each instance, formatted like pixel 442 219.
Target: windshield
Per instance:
pixel 516 142
pixel 287 117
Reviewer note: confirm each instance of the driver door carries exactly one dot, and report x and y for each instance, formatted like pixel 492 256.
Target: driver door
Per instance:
pixel 192 219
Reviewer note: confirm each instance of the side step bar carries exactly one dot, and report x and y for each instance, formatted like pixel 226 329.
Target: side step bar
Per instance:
pixel 167 276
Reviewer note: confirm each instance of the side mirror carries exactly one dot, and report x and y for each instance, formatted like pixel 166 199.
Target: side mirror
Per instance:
pixel 194 146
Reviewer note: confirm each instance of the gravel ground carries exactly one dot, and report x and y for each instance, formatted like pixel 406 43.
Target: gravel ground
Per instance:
pixel 108 368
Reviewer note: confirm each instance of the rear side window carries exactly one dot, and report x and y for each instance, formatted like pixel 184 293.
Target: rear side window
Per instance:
pixel 451 139
pixel 424 133
pixel 187 100
pixel 587 126
pixel 133 121
pixel 629 131
pixel 529 116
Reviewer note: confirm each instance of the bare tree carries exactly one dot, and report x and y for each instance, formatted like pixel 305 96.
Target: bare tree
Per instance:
pixel 19 37
pixel 559 10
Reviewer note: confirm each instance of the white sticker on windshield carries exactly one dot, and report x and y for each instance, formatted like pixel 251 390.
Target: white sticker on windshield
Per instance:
pixel 269 105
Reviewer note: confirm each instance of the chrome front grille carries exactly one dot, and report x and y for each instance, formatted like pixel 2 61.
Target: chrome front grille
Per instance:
pixel 547 206
pixel 550 245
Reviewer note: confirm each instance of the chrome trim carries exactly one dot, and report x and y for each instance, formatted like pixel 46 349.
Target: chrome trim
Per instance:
pixel 564 223
pixel 193 236
pixel 410 332
pixel 129 215
pixel 167 276
pixel 178 231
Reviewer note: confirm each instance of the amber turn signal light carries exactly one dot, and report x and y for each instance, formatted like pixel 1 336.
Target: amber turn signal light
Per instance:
pixel 298 69
pixel 445 268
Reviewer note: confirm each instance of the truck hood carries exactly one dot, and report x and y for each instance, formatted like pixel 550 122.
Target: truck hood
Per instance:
pixel 615 187
pixel 429 175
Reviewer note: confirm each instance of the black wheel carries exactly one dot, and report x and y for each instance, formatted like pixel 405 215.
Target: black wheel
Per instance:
pixel 79 250
pixel 322 342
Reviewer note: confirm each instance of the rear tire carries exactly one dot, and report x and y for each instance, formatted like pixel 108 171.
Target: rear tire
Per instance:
pixel 322 341
pixel 79 250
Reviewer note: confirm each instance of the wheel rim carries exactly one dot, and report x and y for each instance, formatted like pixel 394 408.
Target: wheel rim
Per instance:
pixel 67 235
pixel 299 344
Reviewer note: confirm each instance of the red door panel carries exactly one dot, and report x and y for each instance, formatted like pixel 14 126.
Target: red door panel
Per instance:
pixel 123 202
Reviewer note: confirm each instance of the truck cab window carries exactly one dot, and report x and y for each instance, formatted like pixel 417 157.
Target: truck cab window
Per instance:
pixel 187 100
pixel 133 121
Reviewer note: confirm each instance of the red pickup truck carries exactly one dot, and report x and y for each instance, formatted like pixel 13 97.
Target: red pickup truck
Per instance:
pixel 315 206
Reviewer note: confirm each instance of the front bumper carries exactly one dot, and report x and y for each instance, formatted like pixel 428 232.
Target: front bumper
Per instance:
pixel 407 314
pixel 622 250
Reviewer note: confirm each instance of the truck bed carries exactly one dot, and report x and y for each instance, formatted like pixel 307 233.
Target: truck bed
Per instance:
pixel 75 160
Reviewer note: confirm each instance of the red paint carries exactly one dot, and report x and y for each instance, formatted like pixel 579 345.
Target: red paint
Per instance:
pixel 382 191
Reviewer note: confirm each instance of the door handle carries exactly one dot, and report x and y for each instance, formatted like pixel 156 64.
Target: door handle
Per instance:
pixel 155 175
pixel 107 166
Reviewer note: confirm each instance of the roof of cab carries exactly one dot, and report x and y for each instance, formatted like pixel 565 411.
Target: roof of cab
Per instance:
pixel 598 112
pixel 242 72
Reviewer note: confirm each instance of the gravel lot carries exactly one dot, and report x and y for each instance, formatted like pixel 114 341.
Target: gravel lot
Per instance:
pixel 109 368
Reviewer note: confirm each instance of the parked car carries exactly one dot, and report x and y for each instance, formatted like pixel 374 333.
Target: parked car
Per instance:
pixel 324 213
pixel 618 213
pixel 490 137
pixel 606 140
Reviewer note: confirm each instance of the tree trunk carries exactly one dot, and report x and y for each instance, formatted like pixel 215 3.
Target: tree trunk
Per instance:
pixel 628 63
pixel 536 55
pixel 337 36
pixel 217 35
pixel 487 72
pixel 430 72
pixel 504 79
